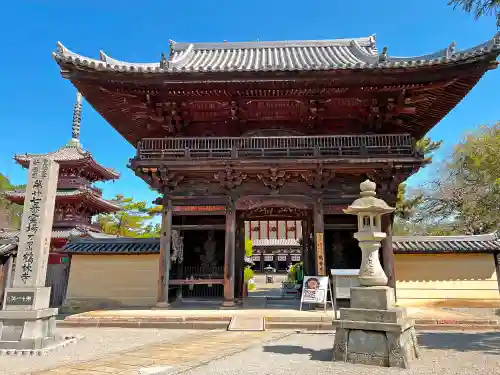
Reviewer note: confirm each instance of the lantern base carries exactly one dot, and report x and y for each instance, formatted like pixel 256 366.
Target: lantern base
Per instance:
pixel 373 331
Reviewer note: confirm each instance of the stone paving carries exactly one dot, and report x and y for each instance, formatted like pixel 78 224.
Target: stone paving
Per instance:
pixel 97 343
pixel 443 353
pixel 183 353
pixel 125 351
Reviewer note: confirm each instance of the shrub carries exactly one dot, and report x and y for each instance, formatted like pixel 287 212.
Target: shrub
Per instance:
pixel 292 273
pixel 248 274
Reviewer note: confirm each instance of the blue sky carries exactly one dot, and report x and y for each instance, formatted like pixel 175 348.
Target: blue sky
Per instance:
pixel 36 103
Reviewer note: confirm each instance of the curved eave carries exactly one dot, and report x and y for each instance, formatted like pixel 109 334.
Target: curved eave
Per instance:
pixel 215 60
pixel 106 174
pixel 88 197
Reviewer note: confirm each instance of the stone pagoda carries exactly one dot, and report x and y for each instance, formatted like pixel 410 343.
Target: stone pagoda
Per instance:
pixel 77 200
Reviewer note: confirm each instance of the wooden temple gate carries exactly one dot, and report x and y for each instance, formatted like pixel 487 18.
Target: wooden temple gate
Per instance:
pixel 274 129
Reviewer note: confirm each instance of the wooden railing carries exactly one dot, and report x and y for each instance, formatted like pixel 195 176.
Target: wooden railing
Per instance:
pixel 277 147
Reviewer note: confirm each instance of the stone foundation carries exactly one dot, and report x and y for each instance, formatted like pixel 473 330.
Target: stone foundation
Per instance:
pixel 373 332
pixel 28 329
pixel 79 305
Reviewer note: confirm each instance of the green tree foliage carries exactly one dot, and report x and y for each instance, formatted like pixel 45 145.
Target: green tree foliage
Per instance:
pixel 479 8
pixel 248 247
pixel 132 221
pixel 466 195
pixel 10 213
pixel 405 204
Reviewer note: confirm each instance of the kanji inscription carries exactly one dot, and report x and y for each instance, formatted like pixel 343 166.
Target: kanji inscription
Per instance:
pixel 36 225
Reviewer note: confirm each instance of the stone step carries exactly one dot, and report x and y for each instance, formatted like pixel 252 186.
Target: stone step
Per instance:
pixel 246 323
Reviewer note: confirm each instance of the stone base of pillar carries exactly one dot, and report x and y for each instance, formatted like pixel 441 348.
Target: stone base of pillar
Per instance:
pixel 229 304
pixel 374 332
pixel 28 329
pixel 163 305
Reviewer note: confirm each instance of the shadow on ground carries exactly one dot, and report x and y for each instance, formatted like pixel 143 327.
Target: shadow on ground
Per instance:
pixel 324 355
pixel 486 342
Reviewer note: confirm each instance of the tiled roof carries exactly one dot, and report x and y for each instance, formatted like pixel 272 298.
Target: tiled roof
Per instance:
pixel 63 233
pixel 276 242
pixel 7 248
pixel 8 234
pixel 114 246
pixel 403 245
pixel 70 152
pixel 447 244
pixel 355 53
pixel 86 192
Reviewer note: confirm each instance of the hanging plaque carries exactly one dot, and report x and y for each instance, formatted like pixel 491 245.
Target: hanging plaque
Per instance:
pixel 320 254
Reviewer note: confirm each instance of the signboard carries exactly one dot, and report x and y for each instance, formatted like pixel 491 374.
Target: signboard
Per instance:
pixel 19 298
pixel 315 290
pixel 343 280
pixel 320 254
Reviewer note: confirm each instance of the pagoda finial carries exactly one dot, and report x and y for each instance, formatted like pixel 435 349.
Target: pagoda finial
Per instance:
pixel 77 119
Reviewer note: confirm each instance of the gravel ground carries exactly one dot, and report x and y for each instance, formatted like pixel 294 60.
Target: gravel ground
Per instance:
pixel 97 343
pixel 443 353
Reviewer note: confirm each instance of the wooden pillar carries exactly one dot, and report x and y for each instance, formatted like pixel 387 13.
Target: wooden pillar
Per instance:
pixel 240 258
pixel 387 250
pixel 165 245
pixel 229 253
pixel 496 258
pixel 319 236
pixel 306 231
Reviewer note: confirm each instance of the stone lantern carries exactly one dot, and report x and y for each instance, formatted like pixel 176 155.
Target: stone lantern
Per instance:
pixel 373 331
pixel 369 210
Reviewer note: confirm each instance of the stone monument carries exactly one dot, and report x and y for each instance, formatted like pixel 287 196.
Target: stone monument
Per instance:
pixel 372 330
pixel 26 321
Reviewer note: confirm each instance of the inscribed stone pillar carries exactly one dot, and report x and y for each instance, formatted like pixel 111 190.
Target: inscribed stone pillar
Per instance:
pixel 34 237
pixel 229 253
pixel 165 245
pixel 26 321
pixel 319 234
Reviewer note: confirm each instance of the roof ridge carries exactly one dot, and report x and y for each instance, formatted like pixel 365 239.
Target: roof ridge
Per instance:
pixel 363 41
pixel 463 237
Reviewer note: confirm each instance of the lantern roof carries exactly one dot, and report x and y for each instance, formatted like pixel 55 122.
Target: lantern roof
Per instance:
pixel 368 203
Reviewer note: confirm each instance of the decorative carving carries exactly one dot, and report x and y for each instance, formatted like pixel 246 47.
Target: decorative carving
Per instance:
pixel 396 351
pixel 274 179
pixel 230 178
pixel 177 247
pixel 318 178
pixel 230 206
pixel 275 212
pixel 414 342
pixel 169 180
pixel 340 345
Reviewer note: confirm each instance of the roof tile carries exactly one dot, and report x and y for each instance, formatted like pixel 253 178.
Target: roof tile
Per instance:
pixel 354 53
pixel 402 245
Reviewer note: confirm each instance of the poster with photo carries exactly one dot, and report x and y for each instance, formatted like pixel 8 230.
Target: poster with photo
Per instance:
pixel 315 289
